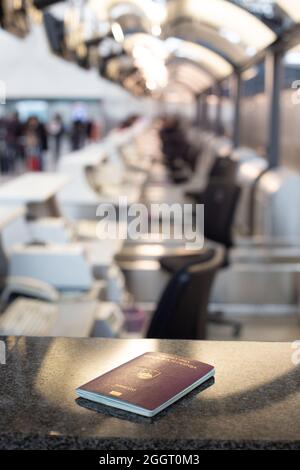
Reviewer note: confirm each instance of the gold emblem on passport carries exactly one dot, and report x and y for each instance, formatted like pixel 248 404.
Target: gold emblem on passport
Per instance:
pixel 147 374
pixel 115 393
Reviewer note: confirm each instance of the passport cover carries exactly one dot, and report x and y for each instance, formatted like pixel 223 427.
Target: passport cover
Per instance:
pixel 148 383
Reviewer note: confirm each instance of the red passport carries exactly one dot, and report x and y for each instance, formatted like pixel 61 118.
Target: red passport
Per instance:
pixel 147 384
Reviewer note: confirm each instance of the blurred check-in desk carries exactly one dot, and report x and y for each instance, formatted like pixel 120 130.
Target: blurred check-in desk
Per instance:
pixel 264 263
pixel 253 403
pixel 38 194
pixel 8 215
pixel 75 318
pixel 97 177
pixel 59 276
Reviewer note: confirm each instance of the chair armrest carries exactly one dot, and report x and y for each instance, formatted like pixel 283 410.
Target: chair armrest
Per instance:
pixel 174 263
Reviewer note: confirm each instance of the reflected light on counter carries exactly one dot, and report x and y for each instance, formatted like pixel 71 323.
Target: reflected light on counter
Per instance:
pixel 72 370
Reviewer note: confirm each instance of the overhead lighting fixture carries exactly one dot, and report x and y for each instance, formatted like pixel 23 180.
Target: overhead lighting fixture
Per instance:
pixel 151 66
pixel 156 30
pixel 231 36
pixel 213 63
pixel 251 51
pixel 250 74
pixel 224 14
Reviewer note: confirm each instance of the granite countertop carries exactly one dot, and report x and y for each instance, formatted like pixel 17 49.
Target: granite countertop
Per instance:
pixel 254 402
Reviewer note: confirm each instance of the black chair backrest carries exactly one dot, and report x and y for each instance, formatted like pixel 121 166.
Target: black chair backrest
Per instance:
pixel 182 310
pixel 220 202
pixel 223 168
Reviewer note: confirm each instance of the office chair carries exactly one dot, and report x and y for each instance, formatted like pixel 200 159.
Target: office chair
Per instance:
pixel 181 312
pixel 220 201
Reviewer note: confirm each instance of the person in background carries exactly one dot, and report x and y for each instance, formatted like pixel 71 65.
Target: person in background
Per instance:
pixel 2 144
pixel 35 143
pixel 56 131
pixel 93 131
pixel 78 134
pixel 13 149
pixel 43 136
pixel 88 128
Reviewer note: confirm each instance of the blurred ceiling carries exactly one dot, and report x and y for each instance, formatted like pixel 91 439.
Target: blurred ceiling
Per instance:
pixel 153 46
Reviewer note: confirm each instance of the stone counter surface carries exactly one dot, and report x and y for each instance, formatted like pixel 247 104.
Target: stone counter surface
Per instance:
pixel 253 403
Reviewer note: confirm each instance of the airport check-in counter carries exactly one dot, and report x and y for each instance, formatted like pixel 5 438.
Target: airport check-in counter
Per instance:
pixel 277 200
pixel 165 192
pixel 100 175
pixel 144 148
pixel 169 192
pixel 211 146
pixel 139 259
pixel 264 261
pixel 253 403
pixel 68 300
pixel 250 169
pixel 58 259
pixel 264 269
pixel 37 192
pixel 48 252
pixel 63 266
pixel 94 182
pixel 276 223
pixel 72 315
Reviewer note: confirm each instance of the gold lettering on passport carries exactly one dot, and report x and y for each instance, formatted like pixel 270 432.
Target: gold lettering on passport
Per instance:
pixel 126 387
